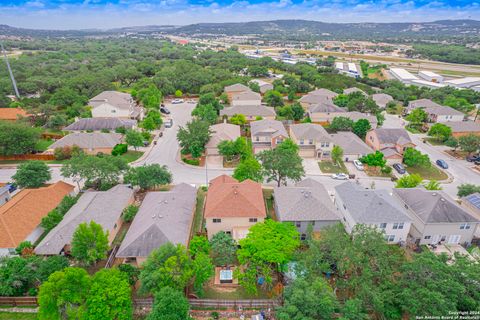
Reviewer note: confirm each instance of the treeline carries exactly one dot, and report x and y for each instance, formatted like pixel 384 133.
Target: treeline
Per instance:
pixel 446 53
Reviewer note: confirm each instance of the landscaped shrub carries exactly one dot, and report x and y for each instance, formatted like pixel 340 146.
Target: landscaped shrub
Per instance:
pixel 193 162
pixel 129 213
pixel 119 149
pixel 387 169
pixel 131 272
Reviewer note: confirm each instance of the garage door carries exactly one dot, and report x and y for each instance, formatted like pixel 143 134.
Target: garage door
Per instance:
pixel 309 153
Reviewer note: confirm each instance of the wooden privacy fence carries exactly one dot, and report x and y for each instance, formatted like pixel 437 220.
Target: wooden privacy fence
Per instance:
pixel 38 156
pixel 18 301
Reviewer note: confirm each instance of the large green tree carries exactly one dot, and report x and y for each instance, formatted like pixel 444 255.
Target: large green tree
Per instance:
pixel 341 124
pixel 193 137
pixel 273 98
pixel 414 158
pixel 469 143
pixel 248 168
pixel 134 138
pixel 361 127
pixel 89 243
pixel 17 138
pixel 282 163
pixel 169 304
pixel 223 249
pixel 440 131
pixel 32 174
pixel 148 176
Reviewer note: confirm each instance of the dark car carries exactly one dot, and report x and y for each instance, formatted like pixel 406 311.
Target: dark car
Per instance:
pixel 400 169
pixel 11 187
pixel 442 164
pixel 473 158
pixel 164 110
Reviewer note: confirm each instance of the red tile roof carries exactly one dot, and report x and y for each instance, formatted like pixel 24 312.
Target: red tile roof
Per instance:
pixel 24 212
pixel 227 197
pixel 11 113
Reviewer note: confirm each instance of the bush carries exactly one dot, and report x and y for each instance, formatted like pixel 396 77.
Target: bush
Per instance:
pixel 146 136
pixel 121 130
pixel 193 162
pixel 129 213
pixel 24 245
pixel 386 170
pixel 131 272
pixel 62 153
pixel 119 149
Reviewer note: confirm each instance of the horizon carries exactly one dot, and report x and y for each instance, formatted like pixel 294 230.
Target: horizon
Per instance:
pixel 109 14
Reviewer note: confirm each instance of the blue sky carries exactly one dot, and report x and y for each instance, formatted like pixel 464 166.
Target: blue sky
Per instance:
pixel 80 14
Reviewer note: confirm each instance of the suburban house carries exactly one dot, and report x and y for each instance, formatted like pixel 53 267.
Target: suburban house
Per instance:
pixel 355 116
pixel 391 142
pixel 163 217
pixel 4 194
pixel 251 112
pixel 353 147
pixel 114 104
pixel 246 98
pixel 12 114
pixel 316 97
pixel 235 89
pixel 221 132
pixel 421 103
pixel 381 99
pixel 437 218
pixel 463 128
pixel 472 203
pixel 103 207
pixel 324 113
pixel 312 139
pixel 21 215
pixel 233 207
pixel 99 124
pixel 354 89
pixel 372 207
pixel 305 203
pixel 264 86
pixel 266 134
pixel 91 143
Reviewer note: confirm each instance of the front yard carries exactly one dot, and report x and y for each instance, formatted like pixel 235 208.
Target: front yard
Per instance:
pixel 131 156
pixel 330 167
pixel 431 173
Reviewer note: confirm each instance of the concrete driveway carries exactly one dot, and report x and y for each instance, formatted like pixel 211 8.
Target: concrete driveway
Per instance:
pixel 215 162
pixel 311 166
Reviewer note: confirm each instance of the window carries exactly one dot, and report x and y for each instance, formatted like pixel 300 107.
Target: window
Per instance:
pixel 313 223
pixel 302 141
pixel 310 141
pixel 115 226
pixel 327 144
pixel 427 237
pixel 216 220
pixel 390 237
pixel 298 224
pixel 303 236
pixel 382 225
pixel 398 225
pixel 228 232
pixel 252 220
pixel 257 138
pixel 464 226
pixel 279 140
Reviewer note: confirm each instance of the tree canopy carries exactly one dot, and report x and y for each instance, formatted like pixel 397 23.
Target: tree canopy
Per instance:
pixel 148 176
pixel 89 243
pixel 32 174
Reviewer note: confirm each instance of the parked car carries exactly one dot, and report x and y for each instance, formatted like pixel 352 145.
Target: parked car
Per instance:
pixel 473 157
pixel 358 164
pixel 340 176
pixel 399 167
pixel 177 101
pixel 168 123
pixel 442 164
pixel 164 110
pixel 11 187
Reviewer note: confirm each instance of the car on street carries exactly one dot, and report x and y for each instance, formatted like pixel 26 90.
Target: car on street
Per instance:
pixel 399 167
pixel 340 176
pixel 358 164
pixel 473 157
pixel 164 110
pixel 168 123
pixel 177 101
pixel 442 163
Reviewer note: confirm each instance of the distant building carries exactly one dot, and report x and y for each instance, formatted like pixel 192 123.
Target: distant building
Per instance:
pixel 114 104
pixel 402 75
pixel 246 98
pixel 430 76
pixel 382 99
pixel 467 82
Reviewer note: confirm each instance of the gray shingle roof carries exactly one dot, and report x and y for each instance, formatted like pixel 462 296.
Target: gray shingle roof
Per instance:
pixel 93 140
pixel 433 206
pixel 247 95
pixel 442 111
pixel 382 99
pixel 267 127
pixel 103 207
pixel 463 126
pixel 352 90
pixel 121 100
pixel 393 136
pixel 252 111
pixel 308 200
pixel 221 132
pixel 350 143
pixel 355 116
pixel 422 103
pixel 163 217
pixel 369 206
pixel 325 107
pixel 97 124
pixel 310 131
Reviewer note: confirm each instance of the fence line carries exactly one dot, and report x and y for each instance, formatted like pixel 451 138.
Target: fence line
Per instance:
pixel 18 301
pixel 37 156
pixel 111 258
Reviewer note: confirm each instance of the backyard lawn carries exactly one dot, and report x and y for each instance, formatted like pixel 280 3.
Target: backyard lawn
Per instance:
pixel 432 173
pixel 235 293
pixel 198 218
pixel 43 144
pixel 17 316
pixel 267 195
pixel 330 167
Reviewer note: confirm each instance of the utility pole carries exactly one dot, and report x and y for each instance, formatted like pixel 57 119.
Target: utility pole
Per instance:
pixel 10 71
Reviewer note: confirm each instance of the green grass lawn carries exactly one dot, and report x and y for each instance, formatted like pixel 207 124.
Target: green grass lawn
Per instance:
pixel 21 161
pixel 17 316
pixel 434 142
pixel 330 167
pixel 43 144
pixel 267 195
pixel 131 156
pixel 237 293
pixel 432 173
pixel 198 218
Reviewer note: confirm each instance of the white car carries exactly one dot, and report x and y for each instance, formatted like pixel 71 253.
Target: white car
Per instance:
pixel 358 164
pixel 340 176
pixel 177 101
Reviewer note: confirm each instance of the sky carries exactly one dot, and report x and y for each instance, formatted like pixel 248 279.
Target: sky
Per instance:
pixel 105 14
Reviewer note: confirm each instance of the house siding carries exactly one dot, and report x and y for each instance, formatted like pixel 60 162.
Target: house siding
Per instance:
pixel 227 224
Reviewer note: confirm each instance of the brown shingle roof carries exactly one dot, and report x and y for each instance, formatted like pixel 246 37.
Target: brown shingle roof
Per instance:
pixel 24 212
pixel 12 113
pixel 230 199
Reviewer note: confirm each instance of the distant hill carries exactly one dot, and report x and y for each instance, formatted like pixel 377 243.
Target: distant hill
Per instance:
pixel 287 29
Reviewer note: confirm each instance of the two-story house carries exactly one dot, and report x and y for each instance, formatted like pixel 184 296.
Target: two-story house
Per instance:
pixel 114 104
pixel 312 139
pixel 391 142
pixel 267 134
pixel 372 207
pixel 437 218
pixel 306 203
pixel 235 89
pixel 233 207
pixel 316 97
pixel 435 112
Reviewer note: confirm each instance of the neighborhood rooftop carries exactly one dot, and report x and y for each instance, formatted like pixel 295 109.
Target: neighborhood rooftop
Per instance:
pixel 268 127
pixel 93 140
pixel 392 135
pixel 257 110
pixel 97 124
